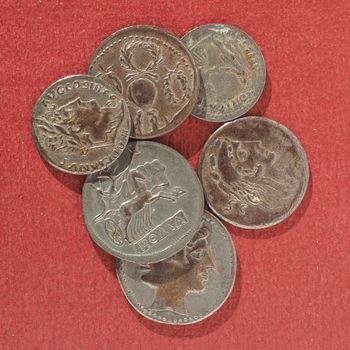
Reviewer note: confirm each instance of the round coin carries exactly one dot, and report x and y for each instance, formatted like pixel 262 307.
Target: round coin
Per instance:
pixel 189 286
pixel 80 124
pixel 231 69
pixel 254 172
pixel 154 72
pixel 146 206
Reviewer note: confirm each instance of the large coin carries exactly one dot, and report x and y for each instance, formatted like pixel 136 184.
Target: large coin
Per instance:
pixel 146 206
pixel 189 286
pixel 154 72
pixel 231 68
pixel 81 124
pixel 254 172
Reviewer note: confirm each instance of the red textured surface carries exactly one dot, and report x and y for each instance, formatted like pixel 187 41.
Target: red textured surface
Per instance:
pixel 58 290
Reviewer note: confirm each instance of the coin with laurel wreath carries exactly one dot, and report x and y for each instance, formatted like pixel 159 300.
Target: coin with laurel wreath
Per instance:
pixel 154 72
pixel 189 286
pixel 231 68
pixel 254 172
pixel 81 124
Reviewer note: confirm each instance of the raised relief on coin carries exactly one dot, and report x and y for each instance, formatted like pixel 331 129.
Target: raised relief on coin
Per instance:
pixel 154 72
pixel 231 68
pixel 81 124
pixel 190 285
pixel 142 208
pixel 254 172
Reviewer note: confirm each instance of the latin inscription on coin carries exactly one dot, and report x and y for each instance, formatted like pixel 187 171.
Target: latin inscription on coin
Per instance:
pixel 231 68
pixel 154 72
pixel 146 206
pixel 81 124
pixel 254 172
pixel 190 285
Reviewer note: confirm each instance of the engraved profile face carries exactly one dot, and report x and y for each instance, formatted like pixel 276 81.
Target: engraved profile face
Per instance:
pixel 183 273
pixel 85 118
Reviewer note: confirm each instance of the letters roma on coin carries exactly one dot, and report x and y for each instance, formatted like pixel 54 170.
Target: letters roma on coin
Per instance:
pixel 254 172
pixel 190 285
pixel 146 206
pixel 154 72
pixel 231 69
pixel 80 124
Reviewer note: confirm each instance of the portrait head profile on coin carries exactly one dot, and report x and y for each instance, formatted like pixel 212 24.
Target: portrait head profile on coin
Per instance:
pixel 154 72
pixel 146 206
pixel 231 70
pixel 190 285
pixel 254 172
pixel 80 124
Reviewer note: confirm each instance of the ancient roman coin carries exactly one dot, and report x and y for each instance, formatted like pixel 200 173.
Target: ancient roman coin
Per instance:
pixel 189 286
pixel 80 124
pixel 154 72
pixel 146 206
pixel 231 69
pixel 254 172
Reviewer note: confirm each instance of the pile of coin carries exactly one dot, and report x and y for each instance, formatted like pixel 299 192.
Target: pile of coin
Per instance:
pixel 142 201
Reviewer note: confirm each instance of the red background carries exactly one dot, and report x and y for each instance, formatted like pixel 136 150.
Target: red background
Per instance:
pixel 58 290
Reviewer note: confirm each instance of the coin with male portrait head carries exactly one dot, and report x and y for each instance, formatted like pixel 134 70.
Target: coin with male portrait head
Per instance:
pixel 146 206
pixel 189 286
pixel 254 172
pixel 80 124
pixel 231 71
pixel 154 72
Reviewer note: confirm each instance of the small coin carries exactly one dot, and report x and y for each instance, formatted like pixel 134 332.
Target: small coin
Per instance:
pixel 189 286
pixel 146 206
pixel 154 72
pixel 231 69
pixel 254 172
pixel 80 124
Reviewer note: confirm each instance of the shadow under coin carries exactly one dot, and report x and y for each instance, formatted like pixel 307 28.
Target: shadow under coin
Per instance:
pixel 260 107
pixel 204 327
pixel 108 260
pixel 71 181
pixel 283 226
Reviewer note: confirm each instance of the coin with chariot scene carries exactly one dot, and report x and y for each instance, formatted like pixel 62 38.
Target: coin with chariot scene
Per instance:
pixel 231 71
pixel 154 72
pixel 146 206
pixel 254 172
pixel 80 124
pixel 190 285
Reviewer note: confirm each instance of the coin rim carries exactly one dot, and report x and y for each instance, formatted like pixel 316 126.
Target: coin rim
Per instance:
pixel 263 81
pixel 234 273
pixel 42 151
pixel 195 90
pixel 301 152
pixel 95 236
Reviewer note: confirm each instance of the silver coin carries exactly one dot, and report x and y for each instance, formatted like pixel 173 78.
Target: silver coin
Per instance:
pixel 155 73
pixel 254 172
pixel 231 69
pixel 189 286
pixel 80 124
pixel 146 206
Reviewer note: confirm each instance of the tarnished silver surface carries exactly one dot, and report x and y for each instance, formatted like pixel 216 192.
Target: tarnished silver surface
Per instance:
pixel 154 72
pixel 80 124
pixel 254 172
pixel 146 206
pixel 189 286
pixel 231 69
